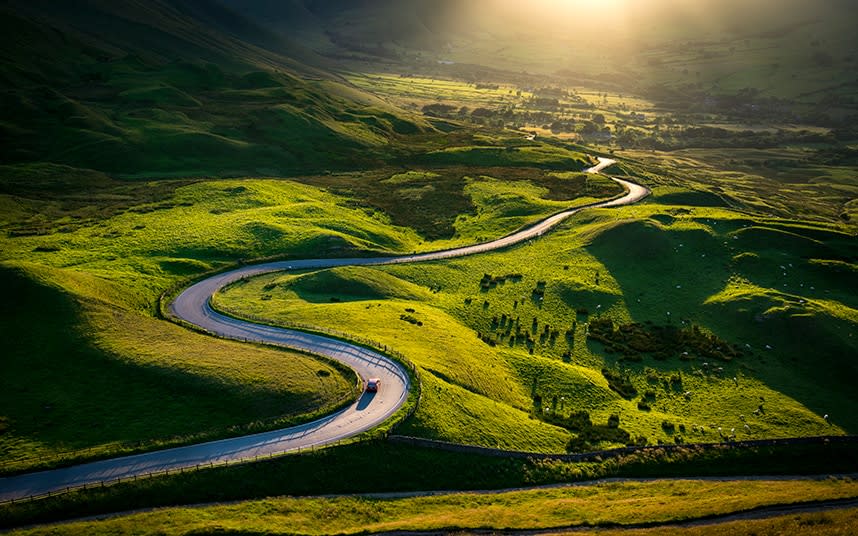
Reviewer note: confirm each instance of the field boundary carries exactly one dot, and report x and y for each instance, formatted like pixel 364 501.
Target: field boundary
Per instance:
pixel 360 438
pixel 613 453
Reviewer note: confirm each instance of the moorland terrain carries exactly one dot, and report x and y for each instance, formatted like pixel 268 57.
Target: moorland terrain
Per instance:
pixel 150 144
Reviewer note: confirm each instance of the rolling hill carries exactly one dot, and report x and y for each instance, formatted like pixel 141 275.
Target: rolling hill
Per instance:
pixel 799 51
pixel 171 88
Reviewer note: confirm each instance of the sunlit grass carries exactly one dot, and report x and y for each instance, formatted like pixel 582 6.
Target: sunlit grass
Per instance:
pixel 586 505
pixel 86 371
pixel 664 264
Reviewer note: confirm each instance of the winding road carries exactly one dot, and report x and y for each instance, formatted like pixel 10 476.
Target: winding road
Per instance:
pixel 370 410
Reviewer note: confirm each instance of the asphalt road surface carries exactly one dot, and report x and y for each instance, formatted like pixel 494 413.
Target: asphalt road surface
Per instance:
pixel 371 409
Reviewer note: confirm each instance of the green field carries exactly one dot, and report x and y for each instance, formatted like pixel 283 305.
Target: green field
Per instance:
pixel 100 273
pixel 379 466
pixel 607 504
pixel 93 379
pixel 102 251
pixel 149 144
pixel 687 305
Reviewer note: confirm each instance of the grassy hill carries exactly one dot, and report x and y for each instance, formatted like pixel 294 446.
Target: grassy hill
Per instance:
pixel 84 260
pixel 145 143
pixel 92 255
pixel 798 51
pixel 170 89
pixel 688 322
pixel 86 376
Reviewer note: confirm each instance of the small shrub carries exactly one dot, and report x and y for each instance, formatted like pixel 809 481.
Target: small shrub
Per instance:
pixel 411 320
pixel 579 420
pixel 614 421
pixel 620 383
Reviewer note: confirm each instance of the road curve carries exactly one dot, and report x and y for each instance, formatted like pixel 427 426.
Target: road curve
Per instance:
pixel 370 410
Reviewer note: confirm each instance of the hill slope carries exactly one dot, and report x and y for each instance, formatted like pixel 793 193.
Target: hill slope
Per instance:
pixel 170 87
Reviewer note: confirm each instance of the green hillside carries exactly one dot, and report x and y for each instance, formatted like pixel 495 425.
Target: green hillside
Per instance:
pixel 687 323
pixel 88 376
pixel 797 51
pixel 149 89
pixel 149 143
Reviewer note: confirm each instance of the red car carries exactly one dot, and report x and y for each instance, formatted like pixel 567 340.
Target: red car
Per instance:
pixel 372 385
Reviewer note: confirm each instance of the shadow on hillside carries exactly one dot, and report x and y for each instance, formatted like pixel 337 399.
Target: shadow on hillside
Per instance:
pixel 663 271
pixel 59 390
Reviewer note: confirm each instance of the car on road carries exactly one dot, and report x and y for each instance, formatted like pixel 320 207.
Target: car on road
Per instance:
pixel 372 385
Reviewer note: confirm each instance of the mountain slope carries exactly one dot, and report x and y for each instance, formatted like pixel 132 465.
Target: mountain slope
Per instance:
pixel 168 87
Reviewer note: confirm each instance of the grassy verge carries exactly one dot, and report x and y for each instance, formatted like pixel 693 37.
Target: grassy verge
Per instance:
pixel 381 467
pixel 608 504
pixel 831 523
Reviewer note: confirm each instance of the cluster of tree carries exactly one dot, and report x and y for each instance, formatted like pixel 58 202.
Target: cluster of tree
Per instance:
pixel 588 436
pixel 715 137
pixel 661 342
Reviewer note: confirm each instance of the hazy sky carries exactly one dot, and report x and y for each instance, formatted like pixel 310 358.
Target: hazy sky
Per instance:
pixel 616 19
